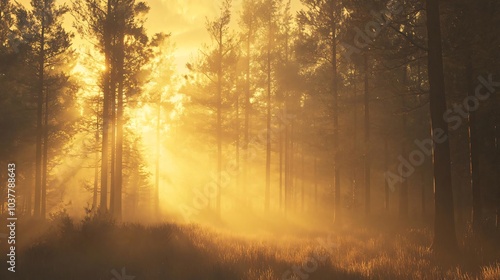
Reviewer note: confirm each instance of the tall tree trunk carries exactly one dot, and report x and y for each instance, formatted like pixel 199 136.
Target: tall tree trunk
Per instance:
pixel 268 121
pixel 302 178
pixel 444 221
pixel 316 183
pixel 247 114
pixel 497 176
pixel 118 184
pixel 336 165
pixel 497 144
pixel 386 166
pixel 473 152
pixel 156 202
pixel 45 157
pixel 29 196
pixel 106 111
pixel 354 181
pixel 96 160
pixel 283 136
pixel 287 162
pixel 403 191
pixel 219 125
pixel 291 158
pixel 367 141
pixel 112 143
pixel 281 164
pixel 237 148
pixel 423 194
pixel 39 126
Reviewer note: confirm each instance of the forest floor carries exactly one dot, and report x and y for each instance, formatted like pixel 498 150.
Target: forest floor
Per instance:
pixel 98 249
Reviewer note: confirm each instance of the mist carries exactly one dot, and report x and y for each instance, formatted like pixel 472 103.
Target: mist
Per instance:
pixel 250 139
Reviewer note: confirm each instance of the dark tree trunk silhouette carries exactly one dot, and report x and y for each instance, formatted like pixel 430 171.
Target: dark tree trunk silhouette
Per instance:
pixel 106 110
pixel 287 161
pixel 367 140
pixel 473 152
pixel 247 111
pixel 354 180
pixel 96 162
pixel 386 166
pixel 237 148
pixel 156 198
pixel 39 114
pixel 280 139
pixel 219 122
pixel 112 131
pixel 118 184
pixel 336 165
pixel 423 194
pixel 302 179
pixel 267 198
pixel 316 184
pixel 444 221
pixel 45 157
pixel 403 190
pixel 497 177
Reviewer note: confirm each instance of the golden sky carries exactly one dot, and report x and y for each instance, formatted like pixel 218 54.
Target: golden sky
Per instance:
pixel 184 19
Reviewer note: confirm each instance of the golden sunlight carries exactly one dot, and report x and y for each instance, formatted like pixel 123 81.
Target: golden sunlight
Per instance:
pixel 249 139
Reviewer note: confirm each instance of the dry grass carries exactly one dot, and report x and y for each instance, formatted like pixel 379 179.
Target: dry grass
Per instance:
pixel 90 250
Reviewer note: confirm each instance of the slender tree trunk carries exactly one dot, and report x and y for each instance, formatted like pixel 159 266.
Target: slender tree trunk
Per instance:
pixel 473 153
pixel 403 191
pixel 29 196
pixel 497 147
pixel 268 121
pixel 316 183
pixel 287 163
pixel 281 164
pixel 444 221
pixel 422 201
pixel 118 185
pixel 291 158
pixel 113 127
pixel 106 111
pixel 302 178
pixel 45 157
pixel 237 140
pixel 247 114
pixel 403 196
pixel 96 160
pixel 3 34
pixel 219 125
pixel 283 136
pixel 386 166
pixel 336 165
pixel 39 126
pixel 156 202
pixel 355 140
pixel 367 142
